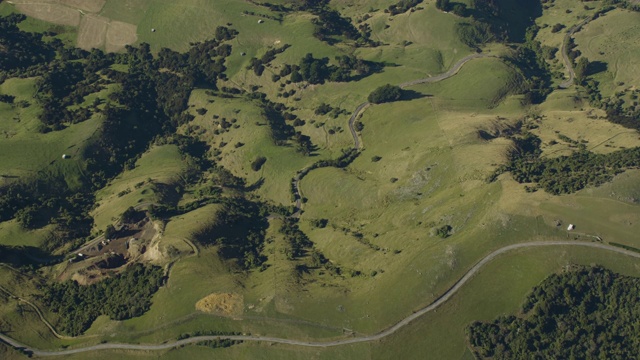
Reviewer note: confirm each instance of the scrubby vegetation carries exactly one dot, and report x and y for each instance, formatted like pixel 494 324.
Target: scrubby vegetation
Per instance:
pixel 586 313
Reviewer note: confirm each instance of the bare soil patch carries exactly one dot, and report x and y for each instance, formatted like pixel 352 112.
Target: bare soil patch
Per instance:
pixel 92 32
pixel 226 304
pixel 53 13
pixel 120 34
pixel 87 5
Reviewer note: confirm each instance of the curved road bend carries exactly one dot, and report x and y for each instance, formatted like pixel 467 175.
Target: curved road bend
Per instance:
pixel 442 299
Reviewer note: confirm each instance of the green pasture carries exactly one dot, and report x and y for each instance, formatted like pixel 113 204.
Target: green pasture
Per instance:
pixel 252 131
pixel 610 39
pixel 480 83
pixel 162 164
pixel 21 139
pixel 12 234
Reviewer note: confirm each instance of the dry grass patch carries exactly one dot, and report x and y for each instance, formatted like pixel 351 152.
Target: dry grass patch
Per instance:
pixel 53 13
pixel 86 5
pixel 225 304
pixel 92 32
pixel 120 34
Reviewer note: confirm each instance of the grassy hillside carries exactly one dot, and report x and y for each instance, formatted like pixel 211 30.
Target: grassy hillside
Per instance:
pixel 609 40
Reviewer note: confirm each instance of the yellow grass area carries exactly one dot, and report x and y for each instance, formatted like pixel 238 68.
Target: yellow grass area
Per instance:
pixel 119 34
pixel 91 32
pixel 87 5
pixel 226 304
pixel 53 13
pixel 94 31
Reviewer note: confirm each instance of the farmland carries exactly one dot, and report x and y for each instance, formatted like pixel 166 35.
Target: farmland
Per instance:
pixel 226 155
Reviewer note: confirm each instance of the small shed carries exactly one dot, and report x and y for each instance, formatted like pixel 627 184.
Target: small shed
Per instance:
pixel 571 227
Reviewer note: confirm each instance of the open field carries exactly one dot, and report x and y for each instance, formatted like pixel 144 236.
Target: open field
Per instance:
pixel 91 32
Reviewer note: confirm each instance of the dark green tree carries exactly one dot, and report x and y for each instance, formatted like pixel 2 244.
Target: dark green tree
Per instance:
pixel 385 93
pixel 109 232
pixel 443 4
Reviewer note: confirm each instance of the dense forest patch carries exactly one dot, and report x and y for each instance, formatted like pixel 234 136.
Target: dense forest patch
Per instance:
pixel 586 313
pixel 121 297
pixel 568 173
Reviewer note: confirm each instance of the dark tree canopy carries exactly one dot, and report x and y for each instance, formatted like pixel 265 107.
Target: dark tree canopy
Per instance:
pixel 121 297
pixel 588 313
pixel 385 93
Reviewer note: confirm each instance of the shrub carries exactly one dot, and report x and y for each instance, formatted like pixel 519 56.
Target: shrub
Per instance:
pixel 258 162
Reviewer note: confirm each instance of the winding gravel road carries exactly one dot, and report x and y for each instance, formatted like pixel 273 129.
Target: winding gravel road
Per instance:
pixel 362 107
pixel 442 299
pixel 565 54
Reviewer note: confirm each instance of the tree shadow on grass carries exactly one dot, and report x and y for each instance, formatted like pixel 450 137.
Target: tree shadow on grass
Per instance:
pixel 408 95
pixel 596 67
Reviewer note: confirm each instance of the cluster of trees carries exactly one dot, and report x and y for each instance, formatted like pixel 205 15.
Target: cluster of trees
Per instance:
pixel 19 49
pixel 317 71
pixel 299 243
pixel 459 9
pixel 617 110
pixel 258 64
pixel 587 313
pixel 569 173
pixel 277 116
pixel 121 297
pixel 384 94
pixel 402 6
pixel 529 57
pixel 475 33
pixel 238 231
pixel 48 199
pixel 330 24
